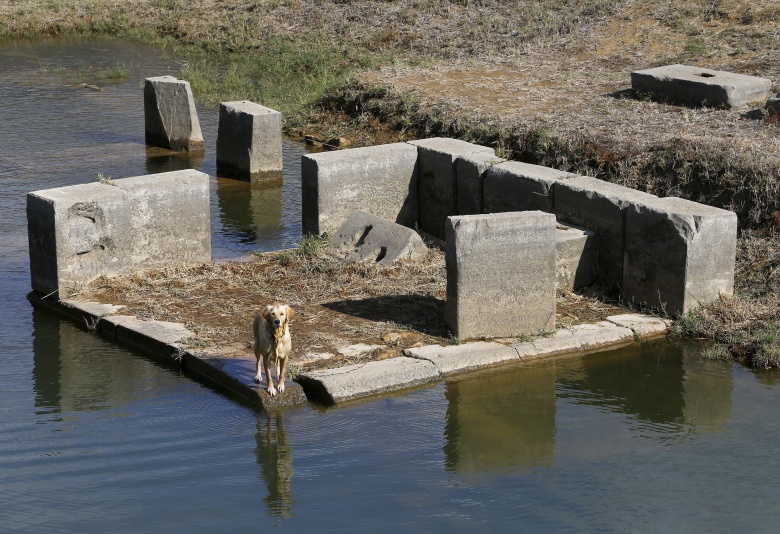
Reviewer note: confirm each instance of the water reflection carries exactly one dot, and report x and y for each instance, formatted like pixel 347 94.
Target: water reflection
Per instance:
pixel 253 210
pixel 274 457
pixel 162 160
pixel 486 431
pixel 507 419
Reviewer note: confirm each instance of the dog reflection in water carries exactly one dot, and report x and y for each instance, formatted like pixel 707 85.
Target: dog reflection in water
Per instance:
pixel 275 460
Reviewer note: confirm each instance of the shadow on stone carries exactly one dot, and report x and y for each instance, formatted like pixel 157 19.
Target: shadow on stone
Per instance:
pixel 418 312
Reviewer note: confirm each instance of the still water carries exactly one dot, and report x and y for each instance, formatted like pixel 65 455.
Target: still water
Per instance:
pixel 95 437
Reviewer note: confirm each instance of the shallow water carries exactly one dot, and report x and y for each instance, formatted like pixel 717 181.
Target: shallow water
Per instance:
pixel 95 437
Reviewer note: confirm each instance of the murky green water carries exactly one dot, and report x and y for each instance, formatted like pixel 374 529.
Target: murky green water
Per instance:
pixel 95 438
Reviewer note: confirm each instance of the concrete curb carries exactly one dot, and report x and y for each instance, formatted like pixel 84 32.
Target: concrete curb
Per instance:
pixel 418 366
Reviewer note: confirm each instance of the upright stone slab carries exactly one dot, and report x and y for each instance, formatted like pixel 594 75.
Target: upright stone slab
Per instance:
pixel 577 256
pixel 381 180
pixel 600 206
pixel 249 142
pixel 516 186
pixel 500 274
pixel 700 86
pixel 171 120
pixel 437 186
pixel 367 237
pixel 80 232
pixel 470 174
pixel 678 254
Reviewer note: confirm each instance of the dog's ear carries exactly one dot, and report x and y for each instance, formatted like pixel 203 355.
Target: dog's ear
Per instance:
pixel 266 311
pixel 290 312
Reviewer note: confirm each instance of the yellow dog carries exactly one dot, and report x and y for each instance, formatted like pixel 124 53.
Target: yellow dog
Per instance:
pixel 273 343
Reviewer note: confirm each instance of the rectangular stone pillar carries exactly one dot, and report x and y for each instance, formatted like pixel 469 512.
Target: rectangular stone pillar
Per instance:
pixel 249 142
pixel 600 206
pixel 500 274
pixel 678 254
pixel 170 118
pixel 80 232
pixel 437 185
pixel 381 180
pixel 516 186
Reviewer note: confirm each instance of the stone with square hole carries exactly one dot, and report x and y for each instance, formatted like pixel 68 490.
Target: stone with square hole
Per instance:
pixel 700 86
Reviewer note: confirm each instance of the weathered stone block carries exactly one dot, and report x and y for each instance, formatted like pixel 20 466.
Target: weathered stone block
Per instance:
pixel 380 179
pixel 80 232
pixel 516 186
pixel 700 86
pixel 773 104
pixel 500 274
pixel 466 357
pixel 171 120
pixel 678 254
pixel 367 237
pixel 577 257
pixel 249 141
pixel 600 206
pixel 437 182
pixel 470 173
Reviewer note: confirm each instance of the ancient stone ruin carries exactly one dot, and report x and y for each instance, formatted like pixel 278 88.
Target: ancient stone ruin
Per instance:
pixel 170 118
pixel 525 230
pixel 249 142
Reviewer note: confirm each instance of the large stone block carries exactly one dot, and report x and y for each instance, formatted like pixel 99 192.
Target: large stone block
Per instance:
pixel 470 175
pixel 381 180
pixel 600 206
pixel 678 254
pixel 516 186
pixel 249 141
pixel 700 86
pixel 577 257
pixel 171 120
pixel 437 182
pixel 500 274
pixel 367 237
pixel 80 232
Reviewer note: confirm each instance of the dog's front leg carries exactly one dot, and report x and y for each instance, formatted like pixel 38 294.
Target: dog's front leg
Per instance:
pixel 268 378
pixel 280 374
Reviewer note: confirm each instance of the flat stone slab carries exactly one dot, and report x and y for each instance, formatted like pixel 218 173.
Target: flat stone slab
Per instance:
pixel 578 339
pixel 700 86
pixel 643 326
pixel 364 236
pixel 467 357
pixel 357 349
pixel 332 386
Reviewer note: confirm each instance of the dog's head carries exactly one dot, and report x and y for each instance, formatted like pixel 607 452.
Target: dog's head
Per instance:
pixel 276 316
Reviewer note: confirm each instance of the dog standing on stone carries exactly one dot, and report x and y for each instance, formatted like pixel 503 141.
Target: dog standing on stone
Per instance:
pixel 273 343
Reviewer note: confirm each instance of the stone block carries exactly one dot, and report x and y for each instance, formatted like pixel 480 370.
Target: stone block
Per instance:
pixel 678 254
pixel 470 174
pixel 500 274
pixel 80 232
pixel 437 181
pixel 331 386
pixel 249 142
pixel 773 105
pixel 577 257
pixel 700 86
pixel 467 357
pixel 367 237
pixel 516 186
pixel 600 206
pixel 643 326
pixel 582 338
pixel 381 180
pixel 170 117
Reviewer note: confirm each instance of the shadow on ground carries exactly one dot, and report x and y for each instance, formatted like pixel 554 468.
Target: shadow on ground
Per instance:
pixel 421 313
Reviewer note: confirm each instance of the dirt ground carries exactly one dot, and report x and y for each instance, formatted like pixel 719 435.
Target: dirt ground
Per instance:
pixel 338 303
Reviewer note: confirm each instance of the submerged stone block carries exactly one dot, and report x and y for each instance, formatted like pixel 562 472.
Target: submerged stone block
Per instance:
pixel 367 237
pixel 381 180
pixel 577 257
pixel 170 118
pixel 516 186
pixel 470 173
pixel 437 182
pixel 249 142
pixel 600 206
pixel 500 274
pixel 700 86
pixel 80 232
pixel 678 254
